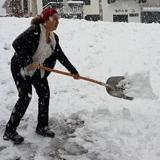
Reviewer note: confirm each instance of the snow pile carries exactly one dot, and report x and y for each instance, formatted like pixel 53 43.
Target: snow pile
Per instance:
pixel 138 86
pixel 89 124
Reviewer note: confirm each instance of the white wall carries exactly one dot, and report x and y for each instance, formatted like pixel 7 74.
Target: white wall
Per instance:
pixel 153 2
pixel 121 7
pixel 2 10
pixel 31 8
pixel 91 9
pixel 39 6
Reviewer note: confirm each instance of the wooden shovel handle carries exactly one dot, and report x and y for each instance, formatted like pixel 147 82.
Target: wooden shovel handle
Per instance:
pixel 68 74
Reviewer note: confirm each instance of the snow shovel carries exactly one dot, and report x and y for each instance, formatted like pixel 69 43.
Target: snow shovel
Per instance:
pixel 111 85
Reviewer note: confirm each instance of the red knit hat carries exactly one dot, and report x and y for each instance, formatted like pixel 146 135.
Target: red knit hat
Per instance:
pixel 46 13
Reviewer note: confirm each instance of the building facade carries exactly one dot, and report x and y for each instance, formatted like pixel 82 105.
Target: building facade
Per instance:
pixel 2 10
pixel 91 10
pixel 121 11
pixel 13 8
pixel 67 9
pixel 34 7
pixel 151 11
pixel 146 11
pixel 21 8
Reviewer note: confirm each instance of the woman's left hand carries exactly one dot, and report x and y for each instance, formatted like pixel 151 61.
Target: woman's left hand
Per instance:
pixel 76 76
pixel 33 66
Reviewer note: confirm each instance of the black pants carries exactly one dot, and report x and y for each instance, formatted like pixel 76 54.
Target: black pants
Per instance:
pixel 24 86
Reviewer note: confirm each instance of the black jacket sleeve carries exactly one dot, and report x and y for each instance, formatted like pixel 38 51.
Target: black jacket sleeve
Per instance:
pixel 26 44
pixel 63 59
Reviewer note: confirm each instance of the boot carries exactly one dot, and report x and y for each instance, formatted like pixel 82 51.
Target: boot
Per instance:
pixel 14 136
pixel 46 132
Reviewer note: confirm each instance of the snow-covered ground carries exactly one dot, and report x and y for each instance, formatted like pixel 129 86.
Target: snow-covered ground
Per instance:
pixel 113 129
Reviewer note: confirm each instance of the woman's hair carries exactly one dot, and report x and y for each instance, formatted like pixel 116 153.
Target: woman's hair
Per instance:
pixel 44 16
pixel 36 20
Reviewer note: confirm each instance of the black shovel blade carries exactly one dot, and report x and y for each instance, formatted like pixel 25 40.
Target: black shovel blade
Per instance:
pixel 117 90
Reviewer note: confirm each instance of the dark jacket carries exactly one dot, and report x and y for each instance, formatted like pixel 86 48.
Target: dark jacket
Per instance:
pixel 26 45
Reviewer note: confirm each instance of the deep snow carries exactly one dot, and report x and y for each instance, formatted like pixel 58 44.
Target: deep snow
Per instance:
pixel 114 129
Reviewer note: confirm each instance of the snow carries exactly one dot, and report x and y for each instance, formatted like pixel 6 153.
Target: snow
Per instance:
pixel 113 128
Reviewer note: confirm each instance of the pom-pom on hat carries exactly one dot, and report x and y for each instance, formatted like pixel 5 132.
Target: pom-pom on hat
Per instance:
pixel 47 13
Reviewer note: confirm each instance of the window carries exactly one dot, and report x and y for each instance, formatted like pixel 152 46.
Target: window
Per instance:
pixel 133 14
pixel 142 1
pixel 87 2
pixel 45 2
pixel 120 18
pixel 111 1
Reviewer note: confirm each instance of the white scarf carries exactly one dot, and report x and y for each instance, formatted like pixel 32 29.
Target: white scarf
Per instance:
pixel 43 51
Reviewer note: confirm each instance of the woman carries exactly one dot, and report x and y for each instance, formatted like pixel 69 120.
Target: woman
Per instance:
pixel 37 45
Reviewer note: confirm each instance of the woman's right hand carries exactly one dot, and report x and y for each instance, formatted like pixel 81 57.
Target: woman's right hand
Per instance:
pixel 76 76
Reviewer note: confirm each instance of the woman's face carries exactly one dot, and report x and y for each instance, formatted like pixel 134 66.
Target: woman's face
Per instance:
pixel 52 23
